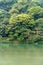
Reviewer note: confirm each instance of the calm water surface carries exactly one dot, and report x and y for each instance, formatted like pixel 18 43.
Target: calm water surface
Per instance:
pixel 21 56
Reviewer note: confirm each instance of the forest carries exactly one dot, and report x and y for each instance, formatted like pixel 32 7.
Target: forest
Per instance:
pixel 21 21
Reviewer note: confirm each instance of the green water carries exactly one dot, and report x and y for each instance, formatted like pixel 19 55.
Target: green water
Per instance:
pixel 21 55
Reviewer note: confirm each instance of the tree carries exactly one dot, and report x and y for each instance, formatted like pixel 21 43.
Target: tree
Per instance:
pixel 20 7
pixel 36 12
pixel 7 4
pixel 21 18
pixel 19 27
pixel 39 24
pixel 39 2
pixel 4 16
pixel 39 30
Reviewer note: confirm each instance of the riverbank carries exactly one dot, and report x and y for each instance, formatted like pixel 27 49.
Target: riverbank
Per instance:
pixel 10 45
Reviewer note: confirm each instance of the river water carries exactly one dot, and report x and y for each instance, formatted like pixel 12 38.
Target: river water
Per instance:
pixel 21 56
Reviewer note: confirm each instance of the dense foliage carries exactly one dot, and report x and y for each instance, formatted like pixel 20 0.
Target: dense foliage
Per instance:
pixel 21 21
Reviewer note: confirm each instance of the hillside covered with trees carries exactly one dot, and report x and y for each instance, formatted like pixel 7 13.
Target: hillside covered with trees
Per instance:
pixel 21 21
